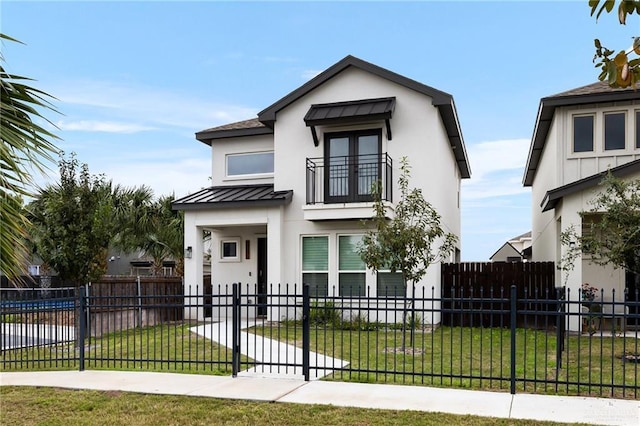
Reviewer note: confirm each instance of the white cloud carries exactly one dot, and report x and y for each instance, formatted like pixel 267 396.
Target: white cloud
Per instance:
pixel 148 106
pixel 102 126
pixel 309 74
pixel 497 168
pixel 171 176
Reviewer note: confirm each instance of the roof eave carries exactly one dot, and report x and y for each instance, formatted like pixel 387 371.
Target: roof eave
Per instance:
pixel 208 137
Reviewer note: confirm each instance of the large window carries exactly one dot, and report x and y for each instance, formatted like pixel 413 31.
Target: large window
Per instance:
pixel 315 264
pixel 353 165
pixel 583 133
pixel 614 130
pixel 255 163
pixel 351 268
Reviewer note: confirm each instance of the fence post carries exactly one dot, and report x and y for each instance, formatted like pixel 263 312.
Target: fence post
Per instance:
pixel 560 329
pixel 235 330
pixel 514 306
pixel 306 330
pixel 83 325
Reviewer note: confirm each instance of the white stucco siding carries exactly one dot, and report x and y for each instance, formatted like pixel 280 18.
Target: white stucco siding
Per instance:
pixel 576 166
pixel 243 145
pixel 417 133
pixel 543 227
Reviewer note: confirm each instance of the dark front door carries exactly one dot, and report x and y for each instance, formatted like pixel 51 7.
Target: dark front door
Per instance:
pixel 353 165
pixel 262 277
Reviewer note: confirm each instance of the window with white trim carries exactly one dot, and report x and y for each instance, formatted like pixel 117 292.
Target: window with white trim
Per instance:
pixel 230 250
pixel 351 268
pixel 315 264
pixel 614 130
pixel 583 133
pixel 253 163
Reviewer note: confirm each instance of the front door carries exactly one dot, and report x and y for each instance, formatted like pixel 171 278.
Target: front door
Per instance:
pixel 262 277
pixel 353 164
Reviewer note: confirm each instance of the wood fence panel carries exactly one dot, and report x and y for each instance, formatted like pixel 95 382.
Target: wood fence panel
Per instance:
pixel 484 289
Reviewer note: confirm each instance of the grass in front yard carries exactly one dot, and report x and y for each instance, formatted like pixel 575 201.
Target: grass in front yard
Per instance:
pixel 474 358
pixel 166 347
pixel 51 406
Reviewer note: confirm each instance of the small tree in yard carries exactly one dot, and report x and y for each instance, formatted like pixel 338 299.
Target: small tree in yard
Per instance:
pixel 613 238
pixel 409 242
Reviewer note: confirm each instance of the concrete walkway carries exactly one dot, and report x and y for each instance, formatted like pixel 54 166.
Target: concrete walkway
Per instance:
pixel 266 351
pixel 561 409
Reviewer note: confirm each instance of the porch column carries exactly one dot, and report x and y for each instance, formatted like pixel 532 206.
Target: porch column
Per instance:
pixel 193 269
pixel 275 252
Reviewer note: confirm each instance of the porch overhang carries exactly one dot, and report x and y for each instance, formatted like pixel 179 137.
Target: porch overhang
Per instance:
pixel 336 113
pixel 553 197
pixel 236 196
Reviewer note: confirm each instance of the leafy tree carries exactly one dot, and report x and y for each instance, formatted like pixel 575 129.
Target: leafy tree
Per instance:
pixel 612 234
pixel 26 146
pixel 616 67
pixel 73 223
pixel 148 225
pixel 410 241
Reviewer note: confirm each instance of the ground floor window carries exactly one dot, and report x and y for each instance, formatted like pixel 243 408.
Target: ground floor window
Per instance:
pixel 389 284
pixel 351 268
pixel 315 264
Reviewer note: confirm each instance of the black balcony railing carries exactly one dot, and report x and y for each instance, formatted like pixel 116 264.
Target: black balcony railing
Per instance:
pixel 348 179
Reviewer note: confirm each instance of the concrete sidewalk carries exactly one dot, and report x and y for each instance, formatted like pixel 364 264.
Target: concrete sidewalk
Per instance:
pixel 561 409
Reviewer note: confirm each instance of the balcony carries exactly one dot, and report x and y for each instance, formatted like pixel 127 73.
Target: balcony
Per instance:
pixel 339 186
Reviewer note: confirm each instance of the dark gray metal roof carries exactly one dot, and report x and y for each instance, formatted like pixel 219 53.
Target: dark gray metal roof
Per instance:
pixel 553 196
pixel 219 197
pixel 240 128
pixel 599 92
pixel 350 111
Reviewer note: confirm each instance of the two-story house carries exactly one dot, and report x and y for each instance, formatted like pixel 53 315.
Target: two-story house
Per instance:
pixel 292 186
pixel 579 135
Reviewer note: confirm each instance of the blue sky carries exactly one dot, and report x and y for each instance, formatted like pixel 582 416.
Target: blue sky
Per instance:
pixel 135 80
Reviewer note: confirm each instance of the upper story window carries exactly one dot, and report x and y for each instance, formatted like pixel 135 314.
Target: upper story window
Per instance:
pixel 583 133
pixel 638 129
pixel 353 161
pixel 614 130
pixel 254 163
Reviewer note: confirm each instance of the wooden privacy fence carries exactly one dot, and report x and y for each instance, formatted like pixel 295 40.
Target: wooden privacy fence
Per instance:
pixel 470 289
pixel 147 300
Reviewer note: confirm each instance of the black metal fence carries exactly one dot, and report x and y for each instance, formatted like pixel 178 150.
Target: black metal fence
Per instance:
pixel 565 345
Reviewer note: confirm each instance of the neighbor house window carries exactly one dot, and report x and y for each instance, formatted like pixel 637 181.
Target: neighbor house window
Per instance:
pixel 315 264
pixel 351 268
pixel 230 249
pixel 637 129
pixel 389 284
pixel 583 133
pixel 255 163
pixel 614 130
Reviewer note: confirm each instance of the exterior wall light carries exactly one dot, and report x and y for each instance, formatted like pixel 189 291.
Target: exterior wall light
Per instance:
pixel 188 252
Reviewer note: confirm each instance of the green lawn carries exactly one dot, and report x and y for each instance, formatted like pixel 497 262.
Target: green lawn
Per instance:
pixel 475 358
pixel 51 406
pixel 461 357
pixel 167 347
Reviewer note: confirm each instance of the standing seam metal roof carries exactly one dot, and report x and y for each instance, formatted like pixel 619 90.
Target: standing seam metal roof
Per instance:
pixel 233 196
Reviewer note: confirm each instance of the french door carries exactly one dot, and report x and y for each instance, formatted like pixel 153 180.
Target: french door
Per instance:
pixel 352 162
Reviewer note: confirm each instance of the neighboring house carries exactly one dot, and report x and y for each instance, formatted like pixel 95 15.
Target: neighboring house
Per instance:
pixel 517 249
pixel 579 135
pixel 292 186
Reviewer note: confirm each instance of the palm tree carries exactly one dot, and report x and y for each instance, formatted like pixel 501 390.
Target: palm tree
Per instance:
pixel 25 146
